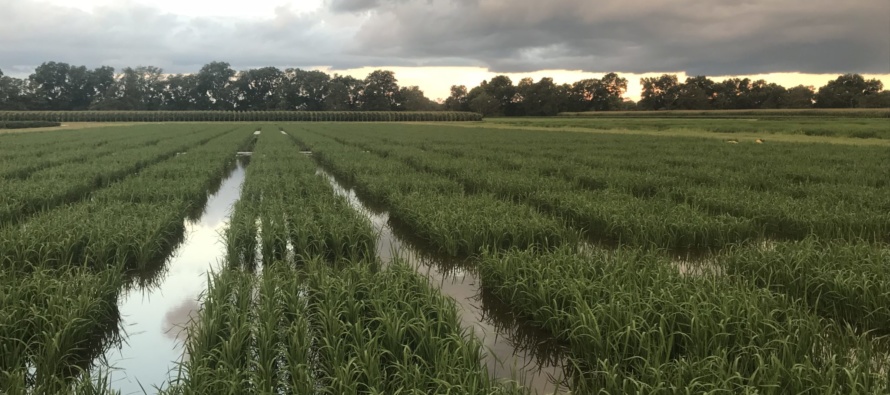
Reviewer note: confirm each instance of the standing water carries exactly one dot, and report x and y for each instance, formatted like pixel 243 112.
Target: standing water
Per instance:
pixel 506 357
pixel 154 318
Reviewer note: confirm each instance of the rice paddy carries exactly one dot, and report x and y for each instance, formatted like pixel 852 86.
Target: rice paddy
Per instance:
pixel 379 258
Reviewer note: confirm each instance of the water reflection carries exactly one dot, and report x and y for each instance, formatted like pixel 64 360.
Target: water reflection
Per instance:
pixel 153 318
pixel 507 357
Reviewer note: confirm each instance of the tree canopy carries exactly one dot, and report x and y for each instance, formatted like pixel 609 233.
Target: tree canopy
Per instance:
pixel 56 86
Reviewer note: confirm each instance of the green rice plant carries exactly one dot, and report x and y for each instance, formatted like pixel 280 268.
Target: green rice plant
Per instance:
pixel 241 235
pixel 784 217
pixel 54 186
pixel 53 323
pixel 93 235
pixel 295 212
pixel 804 197
pixel 849 283
pixel 251 336
pixel 22 157
pixel 295 359
pixel 219 342
pixel 462 225
pixel 634 324
pixel 389 332
pixel 135 222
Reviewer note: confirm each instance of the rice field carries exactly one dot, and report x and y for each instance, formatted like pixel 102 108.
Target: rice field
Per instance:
pixel 383 258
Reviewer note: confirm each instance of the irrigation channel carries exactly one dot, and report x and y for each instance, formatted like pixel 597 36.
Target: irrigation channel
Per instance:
pixel 512 352
pixel 154 317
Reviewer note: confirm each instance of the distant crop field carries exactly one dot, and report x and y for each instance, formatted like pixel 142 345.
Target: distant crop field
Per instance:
pixel 841 127
pixel 238 116
pixel 817 112
pixel 483 258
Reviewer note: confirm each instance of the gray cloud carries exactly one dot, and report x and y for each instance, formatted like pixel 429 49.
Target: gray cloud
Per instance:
pixel 696 36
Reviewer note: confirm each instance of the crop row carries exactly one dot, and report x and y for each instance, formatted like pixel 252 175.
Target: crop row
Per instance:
pixel 53 324
pixel 292 211
pixel 634 324
pixel 762 167
pixel 320 316
pixel 20 160
pixel 45 189
pixel 848 283
pixel 772 321
pixel 622 205
pixel 331 331
pixel 239 116
pixel 606 216
pixel 436 209
pixel 63 268
pixel 125 221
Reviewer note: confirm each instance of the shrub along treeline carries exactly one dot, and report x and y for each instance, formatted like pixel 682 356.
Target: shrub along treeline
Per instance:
pixel 53 117
pixel 27 124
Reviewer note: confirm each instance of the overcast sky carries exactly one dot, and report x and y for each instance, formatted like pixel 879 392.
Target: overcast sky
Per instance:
pixel 437 43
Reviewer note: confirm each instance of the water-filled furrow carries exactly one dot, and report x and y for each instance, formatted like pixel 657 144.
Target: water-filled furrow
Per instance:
pixel 513 352
pixel 154 318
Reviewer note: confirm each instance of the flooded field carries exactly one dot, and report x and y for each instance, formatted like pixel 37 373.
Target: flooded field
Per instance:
pixel 378 258
pixel 155 317
pixel 507 355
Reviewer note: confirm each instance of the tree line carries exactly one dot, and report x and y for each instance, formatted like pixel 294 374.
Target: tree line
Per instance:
pixel 499 97
pixel 56 86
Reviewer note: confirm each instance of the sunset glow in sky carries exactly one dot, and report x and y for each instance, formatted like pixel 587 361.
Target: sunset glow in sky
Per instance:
pixel 438 43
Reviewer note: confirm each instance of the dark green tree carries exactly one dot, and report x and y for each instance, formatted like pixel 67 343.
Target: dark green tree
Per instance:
pixel 305 90
pixel 697 93
pixel 181 92
pixel 13 93
pixel 659 93
pixel 50 83
pixel 380 90
pixel 345 93
pixel 458 100
pixel 257 89
pixel 502 90
pixel 846 91
pixel 213 90
pixel 411 98
pixel 799 97
pixel 482 102
pixel 538 98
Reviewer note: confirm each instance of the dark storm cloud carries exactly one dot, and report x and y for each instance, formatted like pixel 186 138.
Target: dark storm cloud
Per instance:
pixel 696 36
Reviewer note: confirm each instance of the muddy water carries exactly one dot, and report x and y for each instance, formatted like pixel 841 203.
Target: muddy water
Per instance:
pixel 512 353
pixel 153 318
